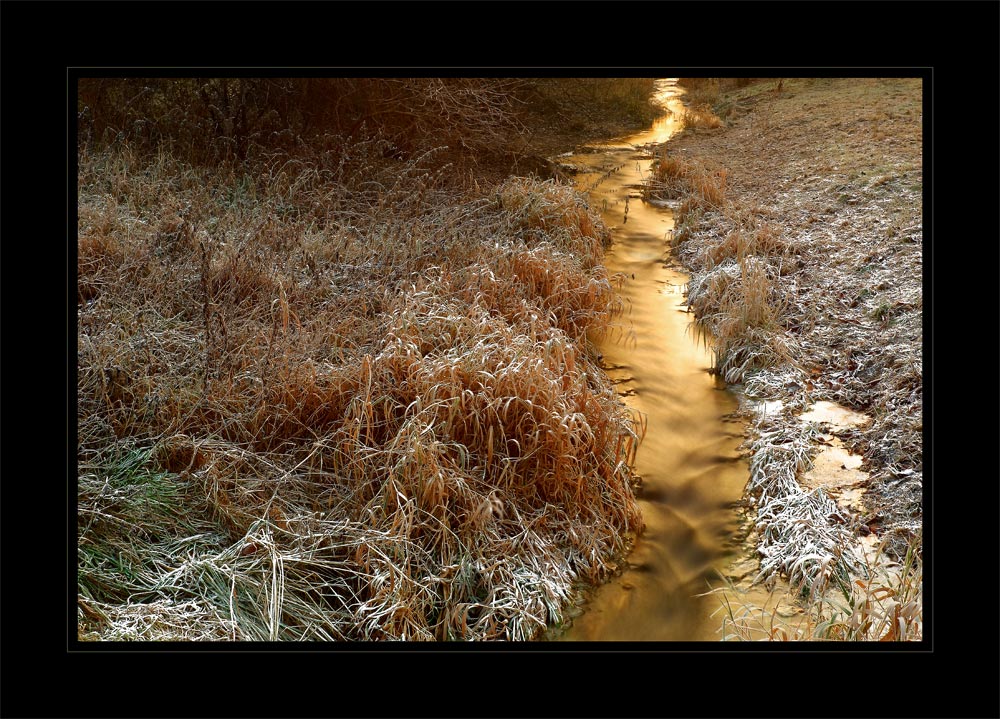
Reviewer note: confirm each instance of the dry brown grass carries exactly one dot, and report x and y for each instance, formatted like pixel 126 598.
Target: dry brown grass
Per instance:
pixel 359 391
pixel 885 604
pixel 702 90
pixel 701 116
pixel 700 187
pixel 669 178
pixel 742 243
pixel 739 306
pixel 811 291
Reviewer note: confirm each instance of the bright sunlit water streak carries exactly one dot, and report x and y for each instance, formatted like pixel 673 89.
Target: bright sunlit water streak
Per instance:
pixel 691 470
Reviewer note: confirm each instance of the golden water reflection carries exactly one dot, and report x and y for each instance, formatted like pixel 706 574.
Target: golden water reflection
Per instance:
pixel 692 472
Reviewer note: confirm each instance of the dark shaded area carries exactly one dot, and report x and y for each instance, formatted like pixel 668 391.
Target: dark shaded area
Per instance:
pixel 505 124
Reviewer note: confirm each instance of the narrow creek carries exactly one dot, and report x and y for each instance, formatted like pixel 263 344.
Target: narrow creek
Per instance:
pixel 692 473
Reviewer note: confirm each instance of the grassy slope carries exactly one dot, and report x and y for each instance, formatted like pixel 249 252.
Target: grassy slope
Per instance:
pixel 802 227
pixel 339 395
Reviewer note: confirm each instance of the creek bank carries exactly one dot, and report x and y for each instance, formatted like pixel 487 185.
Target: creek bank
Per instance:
pixel 347 394
pixel 810 199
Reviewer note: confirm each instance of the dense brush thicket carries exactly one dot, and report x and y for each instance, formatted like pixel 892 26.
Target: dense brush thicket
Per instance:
pixel 484 123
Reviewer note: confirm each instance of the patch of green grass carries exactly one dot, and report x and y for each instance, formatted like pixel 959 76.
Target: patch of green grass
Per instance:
pixel 129 511
pixel 882 312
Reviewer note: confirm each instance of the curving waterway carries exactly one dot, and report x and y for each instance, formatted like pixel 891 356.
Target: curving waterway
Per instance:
pixel 692 474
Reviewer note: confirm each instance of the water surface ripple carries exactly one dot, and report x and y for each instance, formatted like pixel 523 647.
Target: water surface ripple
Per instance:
pixel 692 473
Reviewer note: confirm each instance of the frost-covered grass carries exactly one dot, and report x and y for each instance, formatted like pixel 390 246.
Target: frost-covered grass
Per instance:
pixel 340 396
pixel 807 272
pixel 884 604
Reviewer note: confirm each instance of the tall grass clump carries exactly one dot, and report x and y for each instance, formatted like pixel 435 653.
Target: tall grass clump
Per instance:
pixel 674 178
pixel 701 116
pixel 701 90
pixel 669 178
pixel 741 243
pixel 339 393
pixel 739 305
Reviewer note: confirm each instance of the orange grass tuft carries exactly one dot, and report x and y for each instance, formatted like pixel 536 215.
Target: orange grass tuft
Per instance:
pixel 674 178
pixel 700 115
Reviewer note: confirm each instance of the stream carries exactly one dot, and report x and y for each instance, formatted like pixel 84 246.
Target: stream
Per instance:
pixel 692 473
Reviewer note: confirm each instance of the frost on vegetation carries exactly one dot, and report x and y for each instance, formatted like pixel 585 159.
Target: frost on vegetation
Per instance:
pixel 375 417
pixel 836 315
pixel 803 534
pixel 740 306
pixel 158 620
